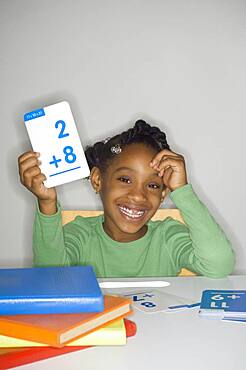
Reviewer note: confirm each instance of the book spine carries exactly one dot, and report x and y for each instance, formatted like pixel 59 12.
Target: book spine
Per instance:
pixel 30 332
pixel 10 357
pixel 29 355
pixel 50 306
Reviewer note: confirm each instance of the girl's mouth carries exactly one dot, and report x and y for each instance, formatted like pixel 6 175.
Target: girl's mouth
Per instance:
pixel 132 213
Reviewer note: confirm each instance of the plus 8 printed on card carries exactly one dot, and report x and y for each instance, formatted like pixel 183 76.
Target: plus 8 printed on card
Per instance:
pixel 53 134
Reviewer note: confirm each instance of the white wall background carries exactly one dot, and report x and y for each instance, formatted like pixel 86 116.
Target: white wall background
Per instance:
pixel 178 64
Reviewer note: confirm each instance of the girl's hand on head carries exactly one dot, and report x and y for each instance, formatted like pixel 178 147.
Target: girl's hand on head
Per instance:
pixel 32 178
pixel 171 167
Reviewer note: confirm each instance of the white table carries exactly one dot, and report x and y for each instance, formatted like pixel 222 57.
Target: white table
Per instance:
pixel 168 341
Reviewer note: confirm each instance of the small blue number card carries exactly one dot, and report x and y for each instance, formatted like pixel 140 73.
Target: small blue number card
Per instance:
pixel 223 304
pixel 53 133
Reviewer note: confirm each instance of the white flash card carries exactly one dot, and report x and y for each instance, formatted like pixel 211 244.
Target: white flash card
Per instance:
pixel 153 301
pixel 53 133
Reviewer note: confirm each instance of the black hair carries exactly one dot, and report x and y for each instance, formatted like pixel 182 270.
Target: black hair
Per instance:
pixel 99 154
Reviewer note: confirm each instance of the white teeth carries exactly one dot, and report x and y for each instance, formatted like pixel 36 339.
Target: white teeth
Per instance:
pixel 130 212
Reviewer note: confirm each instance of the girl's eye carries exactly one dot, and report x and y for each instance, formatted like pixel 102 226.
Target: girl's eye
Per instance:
pixel 154 186
pixel 124 179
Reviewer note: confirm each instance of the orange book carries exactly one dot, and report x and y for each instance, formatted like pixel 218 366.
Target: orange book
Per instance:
pixel 58 329
pixel 13 357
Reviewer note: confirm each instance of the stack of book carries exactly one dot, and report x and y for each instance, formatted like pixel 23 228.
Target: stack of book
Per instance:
pixel 49 311
pixel 226 305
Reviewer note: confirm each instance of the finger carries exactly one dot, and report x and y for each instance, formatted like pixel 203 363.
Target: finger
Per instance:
pixel 29 174
pixel 29 163
pixel 27 155
pixel 166 175
pixel 37 183
pixel 167 159
pixel 168 170
pixel 169 162
pixel 161 154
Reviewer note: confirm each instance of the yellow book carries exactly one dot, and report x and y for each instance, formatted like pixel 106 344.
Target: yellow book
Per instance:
pixel 111 334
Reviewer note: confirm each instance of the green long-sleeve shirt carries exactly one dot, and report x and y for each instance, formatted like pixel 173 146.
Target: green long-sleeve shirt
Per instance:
pixel 200 245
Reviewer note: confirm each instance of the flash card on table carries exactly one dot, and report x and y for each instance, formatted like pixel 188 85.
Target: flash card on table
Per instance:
pixel 53 133
pixel 153 301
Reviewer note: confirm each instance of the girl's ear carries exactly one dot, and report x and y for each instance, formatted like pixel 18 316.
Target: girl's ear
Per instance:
pixel 164 194
pixel 95 178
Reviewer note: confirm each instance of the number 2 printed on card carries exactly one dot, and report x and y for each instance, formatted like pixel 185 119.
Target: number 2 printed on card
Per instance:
pixel 53 133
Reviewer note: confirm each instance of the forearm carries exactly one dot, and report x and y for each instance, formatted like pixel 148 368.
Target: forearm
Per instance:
pixel 211 252
pixel 48 240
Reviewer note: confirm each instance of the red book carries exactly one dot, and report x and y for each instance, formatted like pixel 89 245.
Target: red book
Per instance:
pixel 13 357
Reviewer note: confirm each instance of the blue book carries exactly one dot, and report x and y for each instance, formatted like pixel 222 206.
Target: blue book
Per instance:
pixel 223 304
pixel 43 290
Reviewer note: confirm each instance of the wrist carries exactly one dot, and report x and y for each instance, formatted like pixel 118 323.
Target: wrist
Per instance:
pixel 184 193
pixel 178 186
pixel 47 207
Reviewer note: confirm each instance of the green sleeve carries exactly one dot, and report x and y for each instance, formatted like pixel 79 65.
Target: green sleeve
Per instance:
pixel 52 244
pixel 201 245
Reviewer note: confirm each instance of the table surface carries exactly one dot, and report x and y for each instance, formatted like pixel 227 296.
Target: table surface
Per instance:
pixel 168 340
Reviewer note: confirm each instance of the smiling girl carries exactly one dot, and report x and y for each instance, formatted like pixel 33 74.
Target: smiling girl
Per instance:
pixel 132 172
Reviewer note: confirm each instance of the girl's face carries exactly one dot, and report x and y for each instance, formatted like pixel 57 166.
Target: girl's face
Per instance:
pixel 131 192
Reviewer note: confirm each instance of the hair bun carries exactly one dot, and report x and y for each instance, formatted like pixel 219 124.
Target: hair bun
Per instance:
pixel 141 127
pixel 93 154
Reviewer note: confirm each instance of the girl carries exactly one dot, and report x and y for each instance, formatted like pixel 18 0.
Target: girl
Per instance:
pixel 132 172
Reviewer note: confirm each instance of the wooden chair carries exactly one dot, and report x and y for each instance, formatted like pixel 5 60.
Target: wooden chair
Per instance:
pixel 161 214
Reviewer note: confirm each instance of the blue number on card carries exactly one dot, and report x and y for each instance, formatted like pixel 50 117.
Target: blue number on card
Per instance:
pixel 70 156
pixel 135 298
pixel 148 304
pixel 63 125
pixel 148 295
pixel 68 151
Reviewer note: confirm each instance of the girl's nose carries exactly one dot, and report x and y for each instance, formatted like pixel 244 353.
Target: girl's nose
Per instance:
pixel 138 193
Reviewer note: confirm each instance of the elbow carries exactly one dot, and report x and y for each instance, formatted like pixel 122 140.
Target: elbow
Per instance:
pixel 222 266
